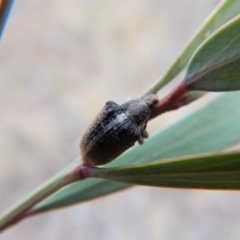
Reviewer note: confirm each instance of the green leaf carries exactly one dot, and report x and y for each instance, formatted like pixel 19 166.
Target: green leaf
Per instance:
pixel 216 64
pixel 223 13
pixel 220 171
pixel 210 129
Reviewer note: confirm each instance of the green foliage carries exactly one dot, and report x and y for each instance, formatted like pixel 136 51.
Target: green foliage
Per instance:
pixel 226 10
pixel 209 129
pixel 220 171
pixel 215 65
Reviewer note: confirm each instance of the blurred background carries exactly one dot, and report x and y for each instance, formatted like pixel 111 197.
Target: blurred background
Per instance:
pixel 60 62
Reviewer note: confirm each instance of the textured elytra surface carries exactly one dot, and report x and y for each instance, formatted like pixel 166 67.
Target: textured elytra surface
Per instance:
pixel 108 136
pixel 115 129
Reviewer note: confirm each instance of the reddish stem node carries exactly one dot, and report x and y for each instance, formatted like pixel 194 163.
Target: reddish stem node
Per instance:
pixel 78 173
pixel 174 100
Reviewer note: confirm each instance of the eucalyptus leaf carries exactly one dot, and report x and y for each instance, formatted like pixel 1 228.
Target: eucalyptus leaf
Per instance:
pixel 221 171
pixel 210 129
pixel 226 10
pixel 215 66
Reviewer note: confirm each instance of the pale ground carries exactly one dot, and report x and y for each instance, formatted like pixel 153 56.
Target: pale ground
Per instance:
pixel 60 62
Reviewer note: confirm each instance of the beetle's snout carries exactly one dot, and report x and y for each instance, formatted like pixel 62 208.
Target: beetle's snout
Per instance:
pixel 150 99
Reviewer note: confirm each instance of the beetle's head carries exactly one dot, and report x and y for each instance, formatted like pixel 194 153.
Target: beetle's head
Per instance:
pixel 140 109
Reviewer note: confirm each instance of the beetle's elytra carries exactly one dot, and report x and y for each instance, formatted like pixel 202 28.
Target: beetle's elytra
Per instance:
pixel 115 129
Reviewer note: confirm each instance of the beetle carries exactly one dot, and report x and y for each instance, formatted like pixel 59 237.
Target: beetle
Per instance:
pixel 115 129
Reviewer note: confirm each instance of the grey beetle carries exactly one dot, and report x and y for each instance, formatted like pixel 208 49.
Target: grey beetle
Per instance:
pixel 115 129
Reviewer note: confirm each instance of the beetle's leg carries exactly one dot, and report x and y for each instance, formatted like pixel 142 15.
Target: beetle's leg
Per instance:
pixel 144 132
pixel 140 140
pixel 138 133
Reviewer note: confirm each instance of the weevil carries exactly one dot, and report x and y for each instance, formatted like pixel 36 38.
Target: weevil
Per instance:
pixel 115 129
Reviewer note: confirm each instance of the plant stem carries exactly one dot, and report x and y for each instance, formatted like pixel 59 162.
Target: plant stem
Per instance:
pixel 174 100
pixel 22 209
